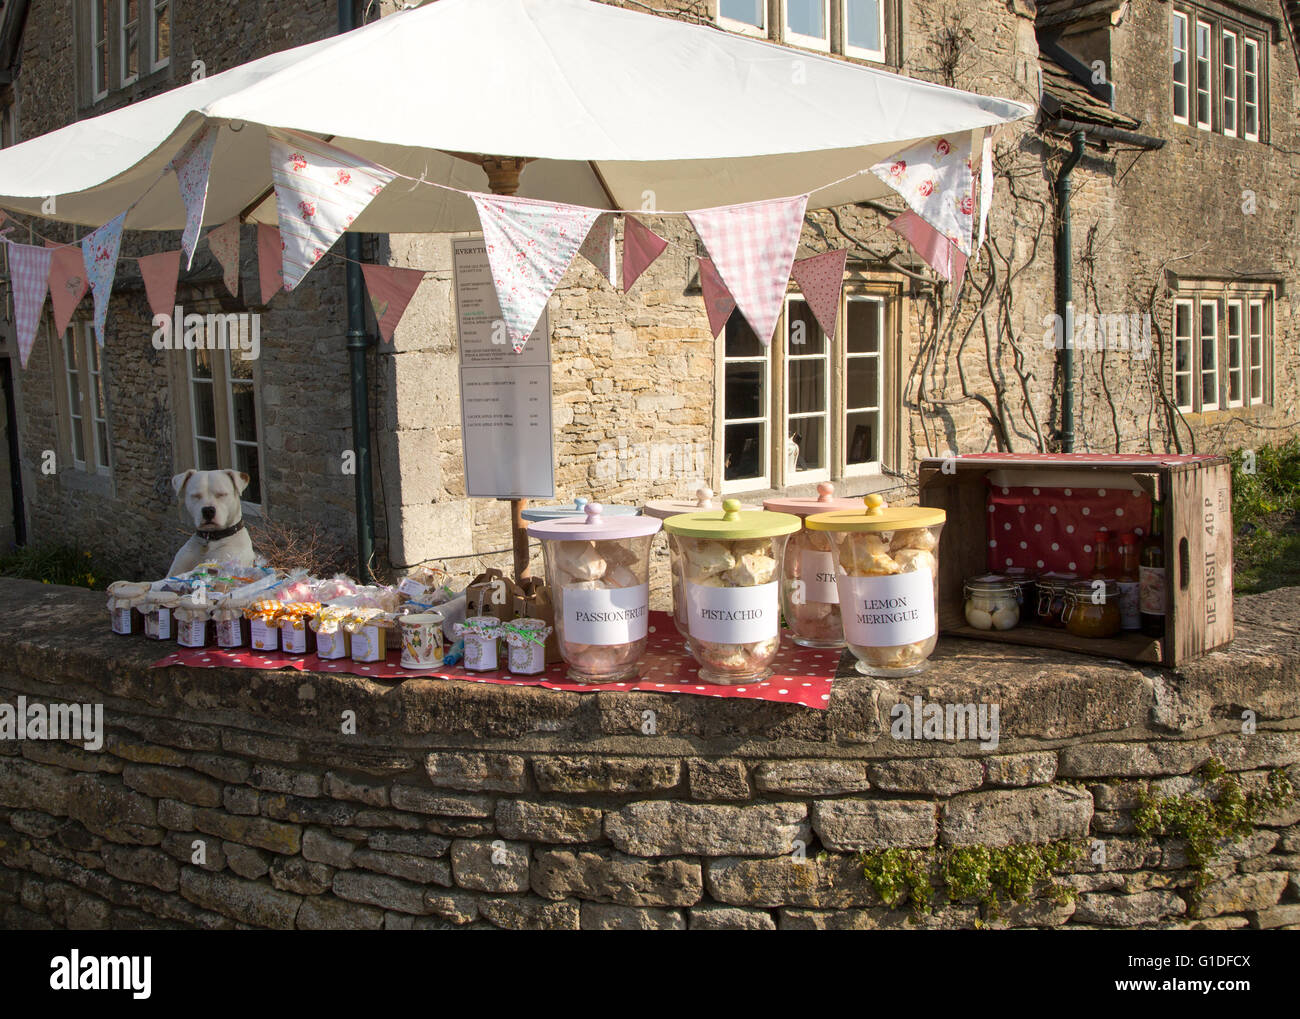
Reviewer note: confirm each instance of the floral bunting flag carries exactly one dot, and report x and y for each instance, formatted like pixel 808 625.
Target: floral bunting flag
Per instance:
pixel 718 301
pixel 67 283
pixel 985 180
pixel 99 250
pixel 223 242
pixel 530 246
pixel 192 165
pixel 936 180
pixel 598 248
pixel 319 191
pixel 29 274
pixel 159 273
pixel 391 289
pixel 940 254
pixel 641 246
pixel 270 261
pixel 820 279
pixel 752 246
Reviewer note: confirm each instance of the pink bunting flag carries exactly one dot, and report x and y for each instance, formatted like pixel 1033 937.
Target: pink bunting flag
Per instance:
pixel 270 261
pixel 223 241
pixel 68 284
pixel 530 246
pixel 718 301
pixel 29 274
pixel 940 254
pixel 641 246
pixel 99 250
pixel 160 272
pixel 752 246
pixel 598 248
pixel 319 191
pixel 391 289
pixel 936 180
pixel 192 166
pixel 820 279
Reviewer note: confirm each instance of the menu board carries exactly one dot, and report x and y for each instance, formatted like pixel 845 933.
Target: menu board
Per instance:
pixel 505 398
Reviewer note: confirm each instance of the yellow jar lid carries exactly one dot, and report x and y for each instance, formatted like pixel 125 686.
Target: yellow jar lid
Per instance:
pixel 874 516
pixel 732 523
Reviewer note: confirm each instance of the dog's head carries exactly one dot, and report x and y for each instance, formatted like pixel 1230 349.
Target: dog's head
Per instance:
pixel 211 498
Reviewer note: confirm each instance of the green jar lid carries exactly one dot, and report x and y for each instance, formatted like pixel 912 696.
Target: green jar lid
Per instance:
pixel 732 523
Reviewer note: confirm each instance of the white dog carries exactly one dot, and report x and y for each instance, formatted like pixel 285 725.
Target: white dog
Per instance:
pixel 211 500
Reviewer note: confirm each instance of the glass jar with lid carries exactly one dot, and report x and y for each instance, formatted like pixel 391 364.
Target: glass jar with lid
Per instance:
pixel 1092 608
pixel 992 602
pixel 662 509
pixel 1051 597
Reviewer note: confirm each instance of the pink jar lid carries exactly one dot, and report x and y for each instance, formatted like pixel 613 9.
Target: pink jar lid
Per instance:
pixel 664 508
pixel 594 526
pixel 824 503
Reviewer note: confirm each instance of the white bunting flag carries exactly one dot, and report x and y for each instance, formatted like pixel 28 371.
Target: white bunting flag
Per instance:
pixel 530 246
pixel 192 166
pixel 752 247
pixel 319 191
pixel 936 180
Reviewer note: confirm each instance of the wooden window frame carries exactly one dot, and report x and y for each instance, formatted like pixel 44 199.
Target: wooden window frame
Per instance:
pixel 78 401
pixel 1234 344
pixel 765 478
pixel 744 27
pixel 807 42
pixel 123 25
pixel 1250 45
pixel 1229 119
pixel 1265 335
pixel 1254 347
pixel 1200 59
pixel 875 56
pixel 1186 84
pixel 829 412
pixel 1188 338
pixel 1228 115
pixel 156 64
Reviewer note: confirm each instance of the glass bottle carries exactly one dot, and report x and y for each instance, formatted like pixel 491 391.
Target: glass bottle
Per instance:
pixel 1130 615
pixel 1101 565
pixel 1151 575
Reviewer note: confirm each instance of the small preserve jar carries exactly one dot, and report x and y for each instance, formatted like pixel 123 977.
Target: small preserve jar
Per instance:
pixel 727 563
pixel 810 598
pixel 482 637
pixel 992 602
pixel 1026 582
pixel 887 569
pixel 598 570
pixel 526 646
pixel 1092 608
pixel 1052 587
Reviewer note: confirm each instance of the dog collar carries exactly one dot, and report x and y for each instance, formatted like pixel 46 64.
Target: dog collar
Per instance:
pixel 207 537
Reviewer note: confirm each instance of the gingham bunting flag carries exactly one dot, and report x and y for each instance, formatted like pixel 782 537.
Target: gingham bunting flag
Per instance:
pixel 530 246
pixel 641 246
pixel 598 248
pixel 391 289
pixel 67 284
pixel 192 165
pixel 223 242
pixel 319 191
pixel 718 302
pixel 29 274
pixel 752 246
pixel 159 273
pixel 99 250
pixel 820 279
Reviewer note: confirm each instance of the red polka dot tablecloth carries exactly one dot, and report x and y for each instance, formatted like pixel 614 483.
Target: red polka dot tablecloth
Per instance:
pixel 799 675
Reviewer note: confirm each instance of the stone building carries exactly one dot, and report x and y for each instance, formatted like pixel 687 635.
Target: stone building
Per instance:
pixel 646 403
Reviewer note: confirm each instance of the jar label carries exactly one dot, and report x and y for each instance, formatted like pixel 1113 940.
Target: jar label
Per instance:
pixel 1152 579
pixel 264 636
pixel 121 620
pixel 817 571
pixel 229 633
pixel 888 611
pixel 293 640
pixel 331 645
pixel 412 588
pixel 733 615
pixel 605 615
pixel 366 645
pixel 1130 615
pixel 193 633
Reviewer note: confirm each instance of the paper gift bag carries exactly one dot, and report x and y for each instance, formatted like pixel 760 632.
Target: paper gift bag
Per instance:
pixel 492 594
pixel 535 602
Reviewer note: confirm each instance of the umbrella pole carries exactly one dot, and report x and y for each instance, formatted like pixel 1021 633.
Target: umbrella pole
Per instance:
pixel 503 179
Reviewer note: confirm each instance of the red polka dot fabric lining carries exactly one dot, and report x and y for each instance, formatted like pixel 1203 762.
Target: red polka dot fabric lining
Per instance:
pixel 799 675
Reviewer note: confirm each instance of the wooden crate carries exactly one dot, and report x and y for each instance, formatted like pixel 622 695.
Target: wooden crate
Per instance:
pixel 1197 495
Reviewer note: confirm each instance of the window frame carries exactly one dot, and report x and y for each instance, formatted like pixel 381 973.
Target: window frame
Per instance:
pixel 1251 367
pixel 84 400
pixel 1203 373
pixel 123 24
pixel 1189 338
pixel 100 50
pixel 1250 45
pixel 1234 344
pixel 1208 60
pixel 1229 122
pixel 807 42
pixel 155 6
pixel 764 479
pixel 876 466
pixel 1186 84
pixel 744 27
pixel 876 56
pixel 827 414
pixel 1253 346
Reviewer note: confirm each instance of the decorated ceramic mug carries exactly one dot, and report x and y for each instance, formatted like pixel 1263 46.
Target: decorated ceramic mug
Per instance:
pixel 421 639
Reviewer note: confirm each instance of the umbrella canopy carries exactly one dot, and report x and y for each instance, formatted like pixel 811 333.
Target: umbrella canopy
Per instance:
pixel 616 109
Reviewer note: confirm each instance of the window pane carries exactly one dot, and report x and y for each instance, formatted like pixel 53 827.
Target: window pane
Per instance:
pixel 862 24
pixel 805 334
pixel 1229 83
pixel 864 326
pixel 862 382
pixel 1250 67
pixel 1204 64
pixel 806 17
pixel 751 12
pixel 246 460
pixel 743 451
pixel 744 391
pixel 807 386
pixel 809 434
pixel 1182 394
pixel 740 340
pixel 205 415
pixel 101 437
pixel 1180 66
pixel 244 409
pixel 862 436
pixel 162 32
pixel 206 454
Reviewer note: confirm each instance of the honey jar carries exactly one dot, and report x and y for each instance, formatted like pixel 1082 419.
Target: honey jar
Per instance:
pixel 1092 608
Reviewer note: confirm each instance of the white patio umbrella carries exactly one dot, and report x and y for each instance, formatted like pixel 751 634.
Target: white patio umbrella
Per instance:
pixel 611 107
pixel 607 107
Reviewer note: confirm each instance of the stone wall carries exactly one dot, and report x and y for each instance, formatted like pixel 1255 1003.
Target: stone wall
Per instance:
pixel 466 805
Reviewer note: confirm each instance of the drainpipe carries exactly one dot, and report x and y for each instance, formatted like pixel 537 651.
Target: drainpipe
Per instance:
pixel 358 344
pixel 1065 289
